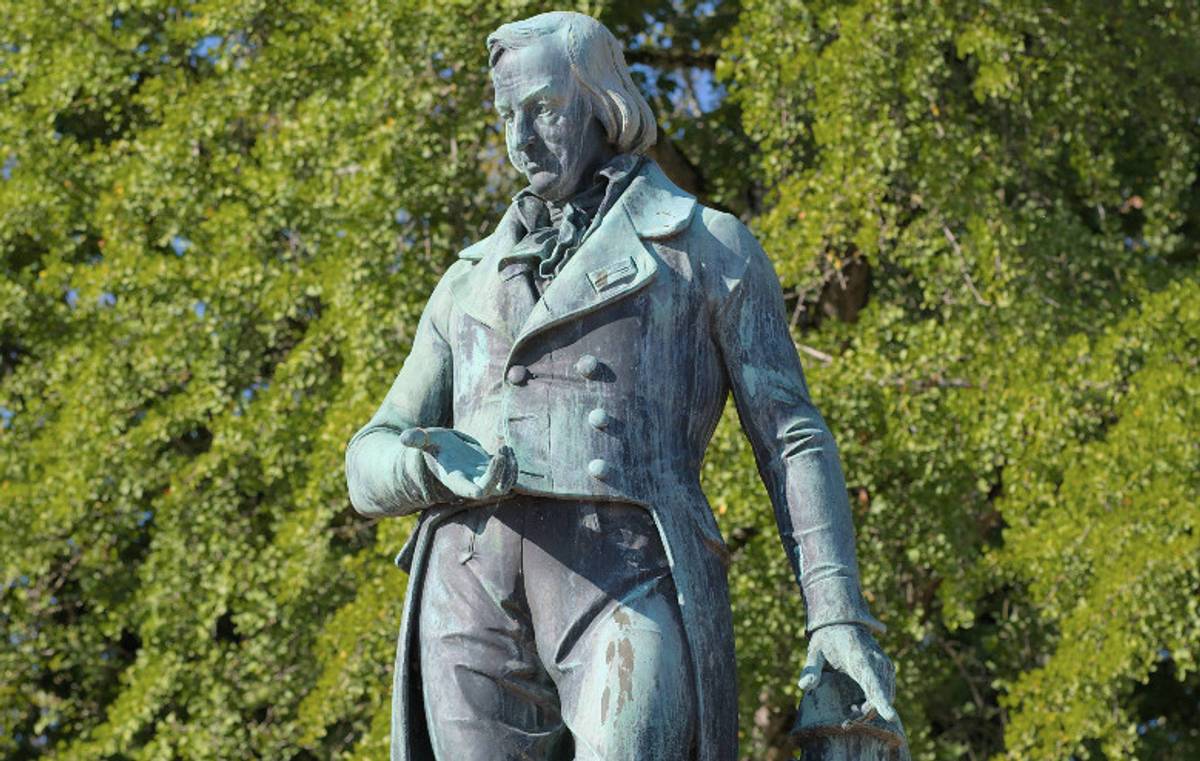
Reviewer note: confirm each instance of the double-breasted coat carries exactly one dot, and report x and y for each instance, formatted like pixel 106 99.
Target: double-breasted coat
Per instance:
pixel 611 390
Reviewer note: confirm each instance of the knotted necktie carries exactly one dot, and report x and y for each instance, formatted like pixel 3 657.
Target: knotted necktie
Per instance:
pixel 552 233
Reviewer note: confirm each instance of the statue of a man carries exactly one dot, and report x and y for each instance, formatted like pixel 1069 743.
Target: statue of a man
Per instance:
pixel 568 596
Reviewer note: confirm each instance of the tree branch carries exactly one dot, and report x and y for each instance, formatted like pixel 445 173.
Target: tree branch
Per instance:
pixel 672 58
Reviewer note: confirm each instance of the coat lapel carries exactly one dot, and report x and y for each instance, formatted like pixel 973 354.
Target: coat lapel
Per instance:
pixel 613 262
pixel 477 291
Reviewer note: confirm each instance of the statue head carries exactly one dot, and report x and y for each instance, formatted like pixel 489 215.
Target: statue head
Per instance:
pixel 567 100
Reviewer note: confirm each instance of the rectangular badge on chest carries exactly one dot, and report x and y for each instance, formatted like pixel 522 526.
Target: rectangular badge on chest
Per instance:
pixel 607 278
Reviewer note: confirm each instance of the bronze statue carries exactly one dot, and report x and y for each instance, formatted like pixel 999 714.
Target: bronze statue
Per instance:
pixel 568 595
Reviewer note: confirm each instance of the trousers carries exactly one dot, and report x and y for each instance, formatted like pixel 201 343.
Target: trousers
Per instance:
pixel 549 630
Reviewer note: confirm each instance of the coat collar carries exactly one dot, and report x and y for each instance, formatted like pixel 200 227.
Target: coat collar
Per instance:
pixel 611 263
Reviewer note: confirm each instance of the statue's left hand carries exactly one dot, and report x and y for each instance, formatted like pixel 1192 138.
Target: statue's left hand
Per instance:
pixel 852 650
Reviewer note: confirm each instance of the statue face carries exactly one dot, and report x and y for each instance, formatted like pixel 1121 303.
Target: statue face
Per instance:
pixel 552 136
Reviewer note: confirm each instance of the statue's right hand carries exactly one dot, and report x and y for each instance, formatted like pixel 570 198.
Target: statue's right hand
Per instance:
pixel 461 464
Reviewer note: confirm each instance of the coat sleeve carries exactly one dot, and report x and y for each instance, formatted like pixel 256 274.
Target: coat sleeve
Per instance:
pixel 794 450
pixel 384 476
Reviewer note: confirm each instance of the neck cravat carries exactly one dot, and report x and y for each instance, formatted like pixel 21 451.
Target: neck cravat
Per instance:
pixel 552 234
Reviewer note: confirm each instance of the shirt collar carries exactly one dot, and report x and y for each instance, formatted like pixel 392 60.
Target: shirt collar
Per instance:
pixel 592 198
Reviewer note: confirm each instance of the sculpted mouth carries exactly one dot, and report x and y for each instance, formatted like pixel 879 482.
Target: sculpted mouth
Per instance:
pixel 532 165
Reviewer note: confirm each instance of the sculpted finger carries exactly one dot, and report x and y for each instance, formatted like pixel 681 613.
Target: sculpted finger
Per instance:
pixel 493 477
pixel 888 672
pixel 875 691
pixel 810 676
pixel 457 482
pixel 418 438
pixel 885 710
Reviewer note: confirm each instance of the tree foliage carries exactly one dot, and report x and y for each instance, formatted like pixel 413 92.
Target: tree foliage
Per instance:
pixel 220 219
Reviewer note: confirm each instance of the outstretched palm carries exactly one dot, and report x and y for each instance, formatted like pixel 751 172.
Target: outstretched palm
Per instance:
pixel 461 464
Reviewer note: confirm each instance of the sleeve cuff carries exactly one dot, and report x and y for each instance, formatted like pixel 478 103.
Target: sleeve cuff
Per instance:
pixel 837 600
pixel 388 479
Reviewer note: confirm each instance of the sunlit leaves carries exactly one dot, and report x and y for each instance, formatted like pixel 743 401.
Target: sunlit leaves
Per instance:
pixel 219 221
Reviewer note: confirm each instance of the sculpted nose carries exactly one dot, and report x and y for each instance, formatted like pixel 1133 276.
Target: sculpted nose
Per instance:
pixel 523 134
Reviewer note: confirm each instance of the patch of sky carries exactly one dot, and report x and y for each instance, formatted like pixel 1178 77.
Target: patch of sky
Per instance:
pixel 709 91
pixel 107 299
pixel 118 21
pixel 6 416
pixel 200 308
pixel 655 29
pixel 207 48
pixel 402 216
pixel 340 233
pixel 72 297
pixel 249 392
pixel 145 517
pixel 646 77
pixel 180 245
pixel 6 170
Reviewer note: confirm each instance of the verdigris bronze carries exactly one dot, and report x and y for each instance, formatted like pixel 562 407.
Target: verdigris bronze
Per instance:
pixel 568 596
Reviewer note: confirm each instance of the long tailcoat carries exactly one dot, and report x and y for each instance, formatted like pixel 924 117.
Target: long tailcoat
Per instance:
pixel 611 390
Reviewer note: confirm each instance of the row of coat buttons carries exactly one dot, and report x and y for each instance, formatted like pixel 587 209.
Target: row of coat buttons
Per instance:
pixel 587 366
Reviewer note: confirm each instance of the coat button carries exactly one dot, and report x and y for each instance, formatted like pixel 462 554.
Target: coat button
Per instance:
pixel 598 418
pixel 599 469
pixel 587 366
pixel 517 375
